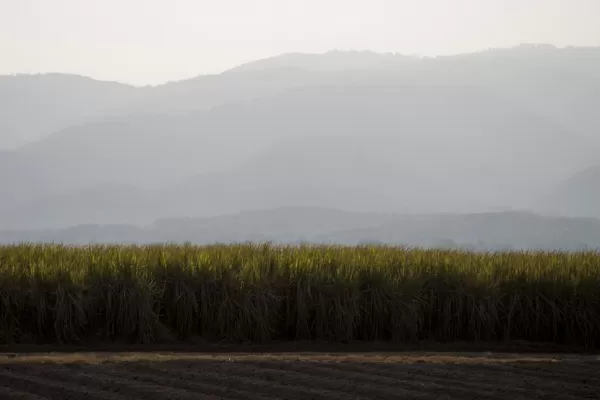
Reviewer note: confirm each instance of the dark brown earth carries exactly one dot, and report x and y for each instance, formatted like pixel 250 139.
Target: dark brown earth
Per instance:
pixel 273 373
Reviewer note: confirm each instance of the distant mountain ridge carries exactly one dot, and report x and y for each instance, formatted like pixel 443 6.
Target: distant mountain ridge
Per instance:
pixel 34 106
pixel 111 98
pixel 296 225
pixel 579 195
pixel 359 131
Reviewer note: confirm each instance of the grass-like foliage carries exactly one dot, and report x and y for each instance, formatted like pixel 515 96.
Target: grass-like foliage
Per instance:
pixel 144 294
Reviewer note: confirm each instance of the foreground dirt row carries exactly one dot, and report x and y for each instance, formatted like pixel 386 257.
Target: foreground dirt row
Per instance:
pixel 147 376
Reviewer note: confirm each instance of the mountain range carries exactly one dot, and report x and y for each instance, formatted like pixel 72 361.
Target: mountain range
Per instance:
pixel 506 129
pixel 510 230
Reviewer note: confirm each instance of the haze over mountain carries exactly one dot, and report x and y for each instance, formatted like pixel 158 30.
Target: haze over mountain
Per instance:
pixel 579 195
pixel 507 129
pixel 35 106
pixel 313 225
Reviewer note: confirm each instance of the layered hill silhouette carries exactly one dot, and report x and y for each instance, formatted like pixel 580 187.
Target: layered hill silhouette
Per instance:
pixel 359 131
pixel 314 225
pixel 35 106
pixel 579 195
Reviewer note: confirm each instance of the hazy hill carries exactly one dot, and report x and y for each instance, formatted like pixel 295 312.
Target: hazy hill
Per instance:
pixel 359 131
pixel 392 149
pixel 98 204
pixel 24 178
pixel 579 195
pixel 543 78
pixel 562 85
pixel 286 224
pixel 34 106
pixel 281 224
pixel 231 87
pixel 333 61
pixel 423 136
pixel 485 231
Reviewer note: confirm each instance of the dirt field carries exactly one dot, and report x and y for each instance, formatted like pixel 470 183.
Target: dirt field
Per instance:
pixel 228 375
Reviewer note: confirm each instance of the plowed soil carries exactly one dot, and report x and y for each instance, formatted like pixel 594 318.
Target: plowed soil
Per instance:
pixel 398 375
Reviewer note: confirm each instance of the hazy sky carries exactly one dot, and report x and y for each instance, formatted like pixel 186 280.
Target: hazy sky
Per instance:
pixel 153 41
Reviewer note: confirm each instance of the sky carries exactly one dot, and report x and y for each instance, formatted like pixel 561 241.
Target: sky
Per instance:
pixel 154 41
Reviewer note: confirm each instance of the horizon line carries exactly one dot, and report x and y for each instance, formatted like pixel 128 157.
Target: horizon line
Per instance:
pixel 530 45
